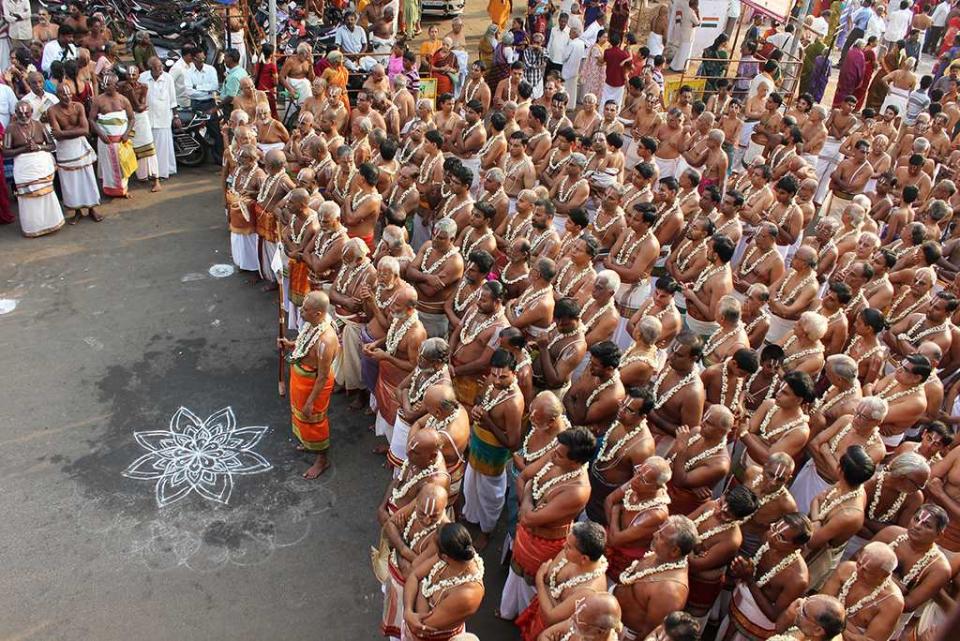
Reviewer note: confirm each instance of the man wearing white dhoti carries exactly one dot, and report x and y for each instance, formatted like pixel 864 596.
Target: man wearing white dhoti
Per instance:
pixel 29 144
pixel 75 157
pixel 111 118
pixel 143 146
pixel 684 33
pixel 161 105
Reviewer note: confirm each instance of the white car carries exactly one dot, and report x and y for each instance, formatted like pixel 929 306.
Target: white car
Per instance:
pixel 442 8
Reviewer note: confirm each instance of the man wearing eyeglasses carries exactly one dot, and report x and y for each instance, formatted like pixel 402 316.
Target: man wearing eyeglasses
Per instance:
pixel 814 618
pixel 903 390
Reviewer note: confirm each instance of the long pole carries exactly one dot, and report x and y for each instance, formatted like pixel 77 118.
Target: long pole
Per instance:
pixel 272 11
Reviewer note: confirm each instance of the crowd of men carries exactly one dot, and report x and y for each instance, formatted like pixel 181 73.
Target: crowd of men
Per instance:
pixel 707 381
pixel 704 393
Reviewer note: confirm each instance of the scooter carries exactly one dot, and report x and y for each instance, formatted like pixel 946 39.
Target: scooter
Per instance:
pixel 191 141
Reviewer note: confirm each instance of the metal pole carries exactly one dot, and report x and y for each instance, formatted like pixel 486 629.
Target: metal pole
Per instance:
pixel 272 10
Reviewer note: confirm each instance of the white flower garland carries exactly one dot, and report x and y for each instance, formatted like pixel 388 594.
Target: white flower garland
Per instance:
pixel 631 575
pixel 306 339
pixel 630 502
pixel 784 563
pixel 608 451
pixel 866 600
pixel 438 263
pixel 661 399
pixel 557 589
pixel 893 510
pixel 466 336
pixel 921 564
pixel 430 586
pixel 401 490
pixel 831 502
pixel 538 491
pixel 398 329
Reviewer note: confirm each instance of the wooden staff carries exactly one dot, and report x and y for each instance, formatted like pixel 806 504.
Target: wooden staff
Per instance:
pixel 281 322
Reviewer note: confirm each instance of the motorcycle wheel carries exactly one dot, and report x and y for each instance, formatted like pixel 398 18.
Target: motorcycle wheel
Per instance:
pixel 195 158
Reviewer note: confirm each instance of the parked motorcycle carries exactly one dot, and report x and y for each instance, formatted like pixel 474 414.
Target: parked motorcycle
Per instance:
pixel 192 142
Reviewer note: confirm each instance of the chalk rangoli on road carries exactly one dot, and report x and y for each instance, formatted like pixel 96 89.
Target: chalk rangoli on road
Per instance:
pixel 198 456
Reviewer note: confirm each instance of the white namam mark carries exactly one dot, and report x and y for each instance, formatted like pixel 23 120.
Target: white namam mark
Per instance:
pixel 198 456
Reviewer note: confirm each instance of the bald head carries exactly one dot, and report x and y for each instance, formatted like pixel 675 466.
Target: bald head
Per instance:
pixel 600 610
pixel 316 302
pixel 275 160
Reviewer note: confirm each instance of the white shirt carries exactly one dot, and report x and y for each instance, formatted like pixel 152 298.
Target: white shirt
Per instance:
pixel 897 24
pixel 8 104
pixel 755 83
pixel 40 104
pixel 200 84
pixel 576 20
pixel 940 14
pixel 161 99
pixel 590 35
pixel 819 26
pixel 875 27
pixel 177 71
pixel 733 9
pixel 351 41
pixel 53 51
pixel 558 44
pixel 19 29
pixel 781 40
pixel 575 53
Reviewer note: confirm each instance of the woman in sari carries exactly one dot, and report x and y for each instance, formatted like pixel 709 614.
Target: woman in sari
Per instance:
pixel 714 69
pixel 488 44
pixel 444 67
pixel 592 73
pixel 502 59
pixel 879 88
pixel 499 11
pixel 870 65
pixel 953 27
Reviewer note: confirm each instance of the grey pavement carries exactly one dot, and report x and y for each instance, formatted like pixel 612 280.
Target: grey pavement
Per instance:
pixel 117 326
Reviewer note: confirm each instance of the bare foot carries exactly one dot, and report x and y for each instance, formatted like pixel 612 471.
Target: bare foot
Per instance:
pixel 95 215
pixel 300 448
pixel 368 411
pixel 481 541
pixel 381 449
pixel 319 467
pixel 357 403
pixel 269 287
pixel 156 187
pixel 75 219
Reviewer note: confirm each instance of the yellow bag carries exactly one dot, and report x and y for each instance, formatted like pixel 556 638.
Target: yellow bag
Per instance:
pixel 128 159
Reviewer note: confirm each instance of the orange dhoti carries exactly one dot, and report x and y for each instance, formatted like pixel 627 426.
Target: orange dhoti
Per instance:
pixel 313 429
pixel 385 392
pixel 704 590
pixel 531 551
pixel 530 621
pixel 439 635
pixel 683 501
pixel 950 539
pixel 244 241
pixel 466 388
pixel 299 281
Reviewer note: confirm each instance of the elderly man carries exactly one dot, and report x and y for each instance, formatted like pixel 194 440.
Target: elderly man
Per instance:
pixel 434 273
pixel 357 275
pixel 297 73
pixel 599 613
pixel 657 584
pixel 841 397
pixel 242 209
pixel 815 618
pixel 634 512
pixel 30 145
pixel 793 293
pixel 311 380
pixel 143 146
pixel 75 157
pixel 274 188
pixel 161 107
pixel 111 117
pixel 679 392
pixel 872 601
pixel 699 460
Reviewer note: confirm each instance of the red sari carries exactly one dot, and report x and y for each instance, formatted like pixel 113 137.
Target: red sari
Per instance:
pixel 444 81
pixel 6 216
pixel 870 64
pixel 952 28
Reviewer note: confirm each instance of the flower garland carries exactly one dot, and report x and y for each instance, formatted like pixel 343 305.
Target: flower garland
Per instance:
pixel 539 491
pixel 772 411
pixel 430 586
pixel 705 454
pixel 737 391
pixel 630 502
pixel 437 264
pixel 893 510
pixel 666 396
pixel 398 329
pixel 831 502
pixel 624 253
pixel 401 490
pixel 631 575
pixel 306 339
pixel 613 380
pixel 557 589
pixel 719 339
pixel 566 290
pixel 785 562
pixel 921 564
pixel 467 337
pixel 608 451
pixel 866 600
pixel 530 297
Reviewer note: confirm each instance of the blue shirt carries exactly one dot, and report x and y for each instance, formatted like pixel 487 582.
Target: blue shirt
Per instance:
pixel 231 82
pixel 861 18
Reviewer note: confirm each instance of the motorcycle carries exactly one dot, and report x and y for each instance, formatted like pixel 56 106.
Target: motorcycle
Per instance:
pixel 191 141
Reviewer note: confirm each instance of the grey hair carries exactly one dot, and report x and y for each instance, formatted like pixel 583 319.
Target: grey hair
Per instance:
pixel 435 349
pixel 618 188
pixel 329 207
pixel 578 159
pixel 400 81
pixel 394 236
pixel 921 145
pixel 664 470
pixel 240 116
pixel 716 135
pixel 609 279
pixel 728 308
pixel 820 110
pixel 908 463
pixel 650 328
pixel 357 244
pixel 496 174
pixel 447 226
pixel 365 125
pixel 874 407
pixel 843 366
pixel 758 288
pixel 390 263
pixel 817 324
pixel 685 532
pixel 884 553
pixel 856 213
pixel 589 99
pixel 303 47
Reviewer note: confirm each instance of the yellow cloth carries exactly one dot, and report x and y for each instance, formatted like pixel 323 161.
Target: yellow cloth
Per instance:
pixel 499 12
pixel 428 48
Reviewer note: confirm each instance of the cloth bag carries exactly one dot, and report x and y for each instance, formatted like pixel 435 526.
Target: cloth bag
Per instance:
pixel 128 158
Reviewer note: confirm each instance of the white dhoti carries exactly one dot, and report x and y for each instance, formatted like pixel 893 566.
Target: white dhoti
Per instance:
pixel 348 374
pixel 144 148
pixel 243 248
pixel 823 563
pixel 398 441
pixel 463 62
pixel 754 150
pixel 473 164
pixel 807 485
pixel 267 147
pixel 111 174
pixel 612 93
pixel 302 88
pixel 746 617
pixel 516 595
pixel 628 299
pixel 669 167
pixel 38 206
pixel 166 158
pixel 75 160
pixel 5 52
pixel 892 442
pixel 682 57
pixel 483 498
pixel 560 224
pixel 896 98
pixel 268 250
pixel 570 86
pixel 655 43
pixel 704 329
pixel 778 328
pixel 826 163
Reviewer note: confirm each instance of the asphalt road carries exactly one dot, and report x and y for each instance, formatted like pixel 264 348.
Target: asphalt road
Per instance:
pixel 116 327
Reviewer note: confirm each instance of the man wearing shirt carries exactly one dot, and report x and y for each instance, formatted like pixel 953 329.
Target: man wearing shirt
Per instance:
pixel 860 21
pixel 231 79
pixel 201 84
pixel 616 61
pixel 350 38
pixel 8 103
pixel 61 49
pixel 178 72
pixel 593 30
pixel 897 23
pixel 574 54
pixel 557 46
pixel 940 13
pixel 161 103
